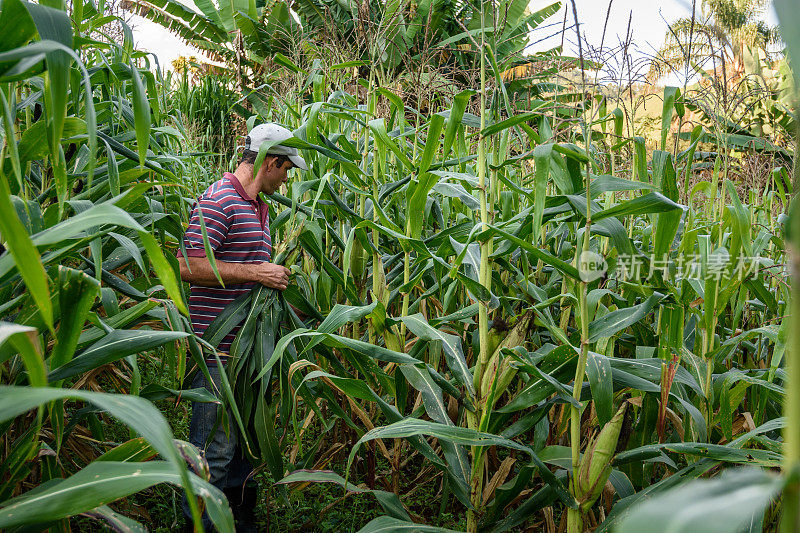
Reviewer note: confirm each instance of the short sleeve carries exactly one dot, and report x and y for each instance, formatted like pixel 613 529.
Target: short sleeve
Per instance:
pixel 217 224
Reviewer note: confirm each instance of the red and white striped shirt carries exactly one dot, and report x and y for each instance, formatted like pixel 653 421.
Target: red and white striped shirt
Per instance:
pixel 238 232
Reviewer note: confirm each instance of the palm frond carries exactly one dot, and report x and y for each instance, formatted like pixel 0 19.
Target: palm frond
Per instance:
pixel 193 28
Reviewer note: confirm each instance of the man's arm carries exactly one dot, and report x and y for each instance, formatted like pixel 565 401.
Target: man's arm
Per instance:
pixel 198 271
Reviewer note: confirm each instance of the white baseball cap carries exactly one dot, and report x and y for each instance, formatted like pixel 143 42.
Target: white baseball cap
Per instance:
pixel 270 133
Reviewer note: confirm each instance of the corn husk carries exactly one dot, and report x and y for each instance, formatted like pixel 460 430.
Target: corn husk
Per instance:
pixel 595 464
pixel 501 369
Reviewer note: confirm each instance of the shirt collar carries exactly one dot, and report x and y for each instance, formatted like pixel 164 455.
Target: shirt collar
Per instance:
pixel 238 187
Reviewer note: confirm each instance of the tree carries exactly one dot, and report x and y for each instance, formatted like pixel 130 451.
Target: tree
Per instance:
pixel 237 33
pixel 389 34
pixel 721 34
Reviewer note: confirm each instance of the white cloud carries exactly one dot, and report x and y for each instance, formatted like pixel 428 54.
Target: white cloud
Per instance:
pixel 153 38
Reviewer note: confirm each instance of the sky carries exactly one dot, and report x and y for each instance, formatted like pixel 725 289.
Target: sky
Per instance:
pixel 649 25
pixel 150 37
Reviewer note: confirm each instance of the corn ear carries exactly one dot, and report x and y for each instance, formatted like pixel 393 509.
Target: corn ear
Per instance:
pixel 288 249
pixel 380 290
pixel 596 461
pixel 506 372
pixel 357 259
pixel 495 338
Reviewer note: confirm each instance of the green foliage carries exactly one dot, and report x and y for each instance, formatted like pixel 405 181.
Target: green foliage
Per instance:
pixel 85 234
pixel 207 110
pixel 409 356
pixel 373 362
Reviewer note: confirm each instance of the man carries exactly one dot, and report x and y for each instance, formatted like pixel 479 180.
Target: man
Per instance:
pixel 237 225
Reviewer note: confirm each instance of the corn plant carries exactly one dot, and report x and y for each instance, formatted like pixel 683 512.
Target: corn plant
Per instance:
pixel 485 326
pixel 747 495
pixel 89 197
pixel 511 304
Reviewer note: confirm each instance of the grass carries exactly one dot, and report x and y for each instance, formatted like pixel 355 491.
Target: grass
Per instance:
pixel 313 509
pixel 321 507
pixel 318 507
pixel 157 507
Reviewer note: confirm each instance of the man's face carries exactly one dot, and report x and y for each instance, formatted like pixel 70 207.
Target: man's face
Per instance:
pixel 273 176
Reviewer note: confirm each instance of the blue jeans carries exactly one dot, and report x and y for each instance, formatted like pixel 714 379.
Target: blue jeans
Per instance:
pixel 227 464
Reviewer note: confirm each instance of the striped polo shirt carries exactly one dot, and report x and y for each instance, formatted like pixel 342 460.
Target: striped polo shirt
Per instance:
pixel 238 232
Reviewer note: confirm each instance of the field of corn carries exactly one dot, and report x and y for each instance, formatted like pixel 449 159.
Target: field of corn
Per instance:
pixel 512 309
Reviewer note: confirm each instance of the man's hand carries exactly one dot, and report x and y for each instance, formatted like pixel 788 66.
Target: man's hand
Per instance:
pixel 198 271
pixel 272 275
